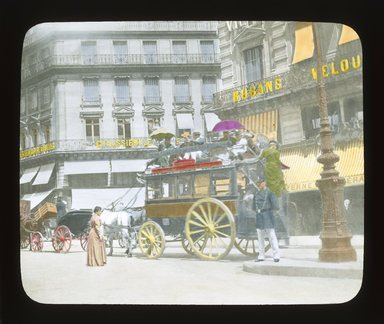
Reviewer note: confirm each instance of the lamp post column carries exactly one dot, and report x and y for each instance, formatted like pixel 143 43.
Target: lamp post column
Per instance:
pixel 336 235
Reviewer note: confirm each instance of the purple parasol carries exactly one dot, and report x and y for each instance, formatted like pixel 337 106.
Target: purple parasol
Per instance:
pixel 227 125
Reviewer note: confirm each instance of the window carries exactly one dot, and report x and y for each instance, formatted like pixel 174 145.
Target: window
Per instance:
pixel 179 51
pixel 150 52
pixel 98 180
pixel 125 179
pixel 23 141
pixel 182 90
pixel 22 105
pixel 201 185
pixel 92 129
pixel 120 52
pixel 45 57
pixel 91 91
pixel 122 91
pixel 152 91
pixel 253 64
pixel 184 186
pixel 47 133
pixel 221 183
pixel 46 96
pixel 168 189
pixel 153 123
pixel 124 128
pixel 88 52
pixel 207 52
pixel 34 137
pixel 154 188
pixel 311 119
pixel 33 99
pixel 32 63
pixel 209 88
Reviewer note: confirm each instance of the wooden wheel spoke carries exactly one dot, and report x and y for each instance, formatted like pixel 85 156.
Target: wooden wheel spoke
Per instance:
pixel 199 239
pixel 199 218
pixel 221 234
pixel 197 224
pixel 221 217
pixel 197 231
pixel 203 211
pixel 223 226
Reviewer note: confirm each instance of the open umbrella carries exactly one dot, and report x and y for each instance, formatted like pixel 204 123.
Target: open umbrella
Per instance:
pixel 227 125
pixel 161 133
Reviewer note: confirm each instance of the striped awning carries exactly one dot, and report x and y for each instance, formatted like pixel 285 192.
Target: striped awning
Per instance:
pixel 347 35
pixel 304 44
pixel 304 169
pixel 264 123
pixel 86 167
pixel 44 174
pixel 28 175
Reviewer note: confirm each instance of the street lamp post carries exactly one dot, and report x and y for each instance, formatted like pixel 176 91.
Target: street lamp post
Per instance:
pixel 336 235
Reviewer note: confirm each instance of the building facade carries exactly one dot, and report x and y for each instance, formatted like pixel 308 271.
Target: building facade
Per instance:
pixel 92 93
pixel 269 79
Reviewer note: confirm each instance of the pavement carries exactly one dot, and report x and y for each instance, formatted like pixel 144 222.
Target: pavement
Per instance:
pixel 301 258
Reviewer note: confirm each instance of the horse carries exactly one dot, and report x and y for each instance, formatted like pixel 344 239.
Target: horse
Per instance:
pixel 118 224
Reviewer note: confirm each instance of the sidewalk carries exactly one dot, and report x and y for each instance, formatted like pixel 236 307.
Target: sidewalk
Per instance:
pixel 301 258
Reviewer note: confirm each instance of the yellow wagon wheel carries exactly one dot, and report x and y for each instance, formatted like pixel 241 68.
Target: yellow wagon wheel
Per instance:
pixel 249 247
pixel 210 229
pixel 151 240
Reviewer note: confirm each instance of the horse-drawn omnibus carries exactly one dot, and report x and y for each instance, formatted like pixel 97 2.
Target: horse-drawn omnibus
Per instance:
pixel 204 204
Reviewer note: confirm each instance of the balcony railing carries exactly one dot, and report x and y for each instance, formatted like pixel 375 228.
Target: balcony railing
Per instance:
pixel 31 70
pixel 152 100
pixel 301 76
pixel 182 100
pixel 39 31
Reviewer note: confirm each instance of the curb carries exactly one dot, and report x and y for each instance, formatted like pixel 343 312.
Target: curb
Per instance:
pixel 289 267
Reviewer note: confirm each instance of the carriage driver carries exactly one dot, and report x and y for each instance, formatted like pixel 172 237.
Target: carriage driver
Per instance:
pixel 265 202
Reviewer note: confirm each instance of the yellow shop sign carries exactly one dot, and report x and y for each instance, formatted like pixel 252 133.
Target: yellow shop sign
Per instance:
pixel 254 89
pixel 335 68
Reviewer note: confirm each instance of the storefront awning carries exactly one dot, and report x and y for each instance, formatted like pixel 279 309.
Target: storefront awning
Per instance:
pixel 304 44
pixel 347 35
pixel 263 123
pixel 36 198
pixel 184 121
pixel 28 175
pixel 44 174
pixel 128 165
pixel 304 169
pixel 86 167
pixel 89 198
pixel 211 120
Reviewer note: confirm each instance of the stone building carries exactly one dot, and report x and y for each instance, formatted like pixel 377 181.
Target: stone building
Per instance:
pixel 91 94
pixel 269 83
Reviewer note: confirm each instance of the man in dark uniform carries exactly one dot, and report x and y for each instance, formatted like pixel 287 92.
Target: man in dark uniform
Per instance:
pixel 265 202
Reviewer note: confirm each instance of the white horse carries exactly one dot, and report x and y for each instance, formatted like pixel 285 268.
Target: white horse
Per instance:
pixel 119 224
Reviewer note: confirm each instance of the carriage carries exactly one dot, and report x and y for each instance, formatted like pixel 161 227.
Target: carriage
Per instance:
pixel 204 204
pixel 43 226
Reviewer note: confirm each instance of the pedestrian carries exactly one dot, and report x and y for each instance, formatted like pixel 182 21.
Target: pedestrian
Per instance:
pixel 61 208
pixel 96 251
pixel 273 169
pixel 265 202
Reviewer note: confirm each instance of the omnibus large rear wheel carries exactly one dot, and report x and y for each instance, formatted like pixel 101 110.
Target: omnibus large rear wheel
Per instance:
pixel 210 229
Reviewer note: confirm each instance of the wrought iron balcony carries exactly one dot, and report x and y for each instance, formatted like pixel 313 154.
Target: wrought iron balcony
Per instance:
pixel 30 70
pixel 152 100
pixel 182 100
